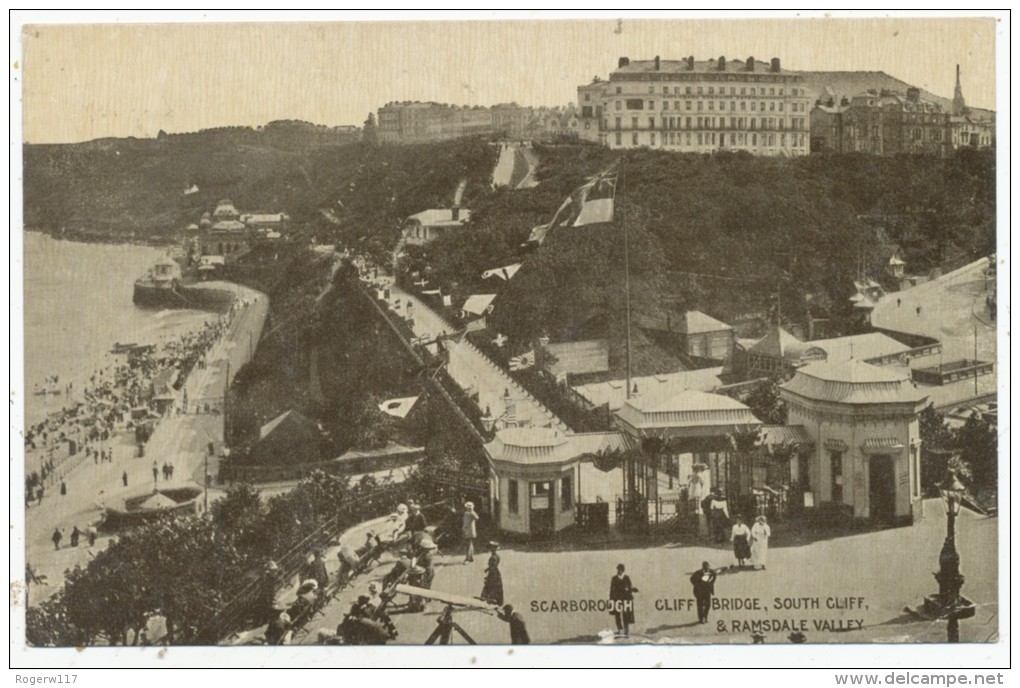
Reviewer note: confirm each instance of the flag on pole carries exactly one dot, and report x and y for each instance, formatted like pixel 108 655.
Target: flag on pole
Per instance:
pixel 523 362
pixel 590 203
pixel 597 198
pixel 398 408
pixel 505 272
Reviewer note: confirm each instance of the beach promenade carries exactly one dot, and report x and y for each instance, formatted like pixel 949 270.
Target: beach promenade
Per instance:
pixel 181 439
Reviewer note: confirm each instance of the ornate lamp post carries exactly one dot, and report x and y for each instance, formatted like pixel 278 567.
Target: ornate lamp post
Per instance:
pixel 948 603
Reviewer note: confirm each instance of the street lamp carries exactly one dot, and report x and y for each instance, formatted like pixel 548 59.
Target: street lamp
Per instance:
pixel 948 603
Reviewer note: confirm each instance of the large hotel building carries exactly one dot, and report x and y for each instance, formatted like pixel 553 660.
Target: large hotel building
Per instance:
pixel 699 107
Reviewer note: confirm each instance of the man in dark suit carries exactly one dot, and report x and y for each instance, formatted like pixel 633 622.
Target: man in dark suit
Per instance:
pixel 518 629
pixel 621 594
pixel 703 581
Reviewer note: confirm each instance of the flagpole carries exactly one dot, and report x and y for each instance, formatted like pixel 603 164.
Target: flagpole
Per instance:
pixel 626 280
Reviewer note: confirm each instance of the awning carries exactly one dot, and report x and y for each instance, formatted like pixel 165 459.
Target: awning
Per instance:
pixel 878 445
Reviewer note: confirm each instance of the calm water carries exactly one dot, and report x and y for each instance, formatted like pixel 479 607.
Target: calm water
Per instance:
pixel 78 304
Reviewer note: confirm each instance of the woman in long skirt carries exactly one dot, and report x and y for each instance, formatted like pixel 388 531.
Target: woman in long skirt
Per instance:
pixel 492 589
pixel 741 538
pixel 760 535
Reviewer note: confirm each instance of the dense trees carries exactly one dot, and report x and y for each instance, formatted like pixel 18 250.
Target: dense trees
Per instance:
pixel 971 450
pixel 185 569
pixel 729 234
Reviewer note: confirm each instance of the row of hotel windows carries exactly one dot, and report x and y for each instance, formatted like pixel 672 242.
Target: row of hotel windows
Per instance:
pixel 699 90
pixel 638 104
pixel 796 123
pixel 710 139
pixel 915 134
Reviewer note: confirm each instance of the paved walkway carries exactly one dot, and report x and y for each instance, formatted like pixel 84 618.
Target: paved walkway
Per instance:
pixel 472 370
pixel 182 440
pixel 845 590
pixel 951 309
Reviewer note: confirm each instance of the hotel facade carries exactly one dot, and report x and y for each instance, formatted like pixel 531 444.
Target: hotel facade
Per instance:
pixel 698 107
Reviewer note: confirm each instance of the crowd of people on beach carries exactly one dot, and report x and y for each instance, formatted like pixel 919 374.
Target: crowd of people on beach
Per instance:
pixel 123 396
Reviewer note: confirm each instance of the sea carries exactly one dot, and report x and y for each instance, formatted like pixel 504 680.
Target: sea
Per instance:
pixel 78 304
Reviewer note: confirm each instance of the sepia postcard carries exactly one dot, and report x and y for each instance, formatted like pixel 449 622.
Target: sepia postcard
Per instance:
pixel 568 332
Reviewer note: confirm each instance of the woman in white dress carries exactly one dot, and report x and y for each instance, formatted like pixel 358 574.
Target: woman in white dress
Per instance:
pixel 760 535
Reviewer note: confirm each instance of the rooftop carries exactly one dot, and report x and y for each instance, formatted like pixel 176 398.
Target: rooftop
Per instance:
pixel 536 446
pixel 478 303
pixel 391 449
pixel 778 343
pixel 576 358
pixel 702 66
pixel 437 217
pixel 666 408
pixel 614 392
pixel 859 346
pixel 696 322
pixel 853 382
pixel 228 226
pixel 289 417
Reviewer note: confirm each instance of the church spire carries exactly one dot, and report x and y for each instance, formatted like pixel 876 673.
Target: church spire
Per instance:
pixel 959 105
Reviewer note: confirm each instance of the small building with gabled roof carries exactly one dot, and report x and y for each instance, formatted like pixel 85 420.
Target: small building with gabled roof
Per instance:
pixel 702 336
pixel 290 438
pixel 428 225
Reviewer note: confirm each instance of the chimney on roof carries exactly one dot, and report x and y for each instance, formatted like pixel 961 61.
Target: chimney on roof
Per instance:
pixel 775 65
pixel 624 61
pixel 750 64
pixel 913 94
pixel 690 63
pixel 722 64
pixel 657 63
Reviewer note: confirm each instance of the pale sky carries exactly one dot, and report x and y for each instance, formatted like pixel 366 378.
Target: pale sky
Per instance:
pixel 89 81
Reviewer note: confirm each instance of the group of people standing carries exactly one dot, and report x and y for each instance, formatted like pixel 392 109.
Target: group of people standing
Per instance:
pixel 750 544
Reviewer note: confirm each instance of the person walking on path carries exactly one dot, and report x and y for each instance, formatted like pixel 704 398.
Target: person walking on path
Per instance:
pixel 741 538
pixel 621 594
pixel 760 534
pixel 57 537
pixel 518 629
pixel 75 536
pixel 470 530
pixel 703 581
pixel 92 534
pixel 63 488
pixel 124 478
pixel 720 514
pixel 492 589
pixel 155 471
